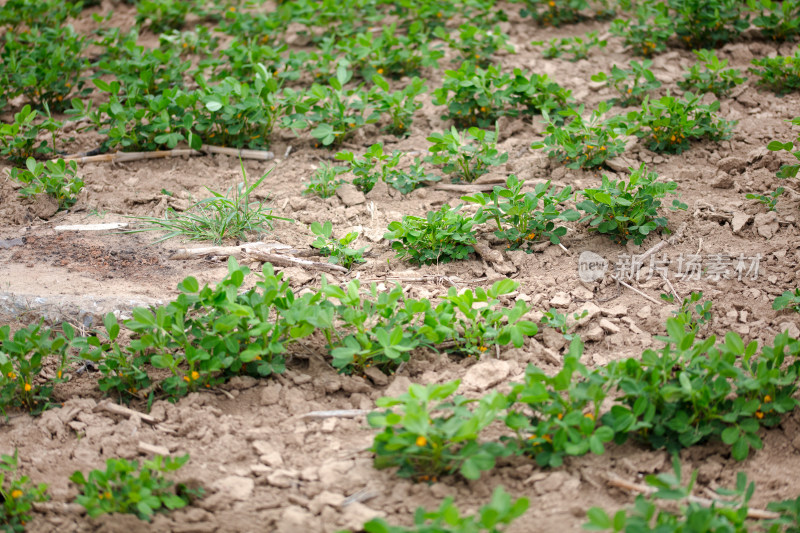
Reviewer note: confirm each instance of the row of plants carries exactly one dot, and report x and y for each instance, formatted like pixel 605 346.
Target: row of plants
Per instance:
pixel 123 487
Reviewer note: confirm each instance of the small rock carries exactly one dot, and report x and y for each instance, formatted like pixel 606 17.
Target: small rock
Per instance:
pixel 331 499
pixel 561 299
pixel 551 483
pixel 722 181
pixel 242 382
pixel 399 386
pixel 235 487
pixel 608 326
pixel 766 224
pixel 44 206
pixel 553 339
pixel 357 513
pixel 645 312
pixel 282 479
pixel 594 333
pixel 328 425
pixel 271 394
pixel 740 220
pixel 617 311
pixel 293 519
pixel 301 378
pixel 794 332
pixel 350 195
pixel 486 374
pixel 378 378
pixel 732 163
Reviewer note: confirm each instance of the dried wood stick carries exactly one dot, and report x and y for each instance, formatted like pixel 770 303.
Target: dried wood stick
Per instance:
pixel 58 507
pixel 655 248
pixel 235 251
pixel 464 187
pixel 338 413
pixel 124 411
pixel 637 291
pixel 615 481
pixel 260 155
pixel 152 449
pixel 121 157
pixel 289 261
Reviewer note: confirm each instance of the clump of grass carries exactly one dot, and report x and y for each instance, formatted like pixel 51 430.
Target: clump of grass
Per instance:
pixel 220 217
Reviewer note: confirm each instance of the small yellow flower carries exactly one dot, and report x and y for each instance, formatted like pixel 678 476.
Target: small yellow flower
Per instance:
pixel 16 493
pixel 560 416
pixel 759 415
pixel 195 375
pixel 12 375
pixel 672 138
pixel 483 109
pixel 421 441
pixel 27 387
pixel 482 348
pixel 380 71
pixel 186 379
pixel 590 416
pixel 602 147
pixel 767 398
pixel 59 374
pixel 231 9
pixel 551 3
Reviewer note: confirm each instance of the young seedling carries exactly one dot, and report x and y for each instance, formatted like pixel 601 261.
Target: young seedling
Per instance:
pixel 337 250
pixel 442 236
pixel 474 96
pixel 555 12
pixel 583 142
pixel 780 74
pixel 700 24
pixel 325 180
pixel 429 435
pixel 669 124
pixel 517 215
pixel 18 139
pixel 55 178
pixel 709 75
pixel 501 511
pixel 399 105
pixel 465 155
pixel 578 47
pixel 647 33
pixel 788 300
pixel 788 171
pixel 628 210
pixel 769 200
pixel 779 21
pixel 17 495
pixel 374 166
pixel 476 44
pixel 126 487
pixel 632 84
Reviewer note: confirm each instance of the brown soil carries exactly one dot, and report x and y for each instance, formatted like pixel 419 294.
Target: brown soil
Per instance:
pixel 265 467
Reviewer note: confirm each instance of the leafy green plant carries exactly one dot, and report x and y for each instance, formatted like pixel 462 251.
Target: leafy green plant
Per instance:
pixel 337 250
pixel 56 178
pixel 442 236
pixel 693 390
pixel 378 331
pixel 702 25
pixel 555 12
pixel 431 435
pixel 18 139
pixel 17 495
pixel 479 96
pixel 375 165
pixel 126 487
pixel 237 114
pixel 475 327
pixel 709 75
pixel 413 178
pixel 558 321
pixel 778 21
pixel 788 300
pixel 583 143
pixel 502 510
pixel 631 84
pixel 399 105
pixel 628 210
pixel 788 171
pixel 647 33
pixel 162 15
pixel 476 44
pixel 691 314
pixel 465 155
pixel 537 93
pixel 556 416
pixel 728 512
pixel 22 358
pixel 325 180
pixel 780 74
pixel 578 47
pixel 335 112
pixel 220 217
pixel 769 200
pixel 669 124
pixel 44 65
pixel 517 216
